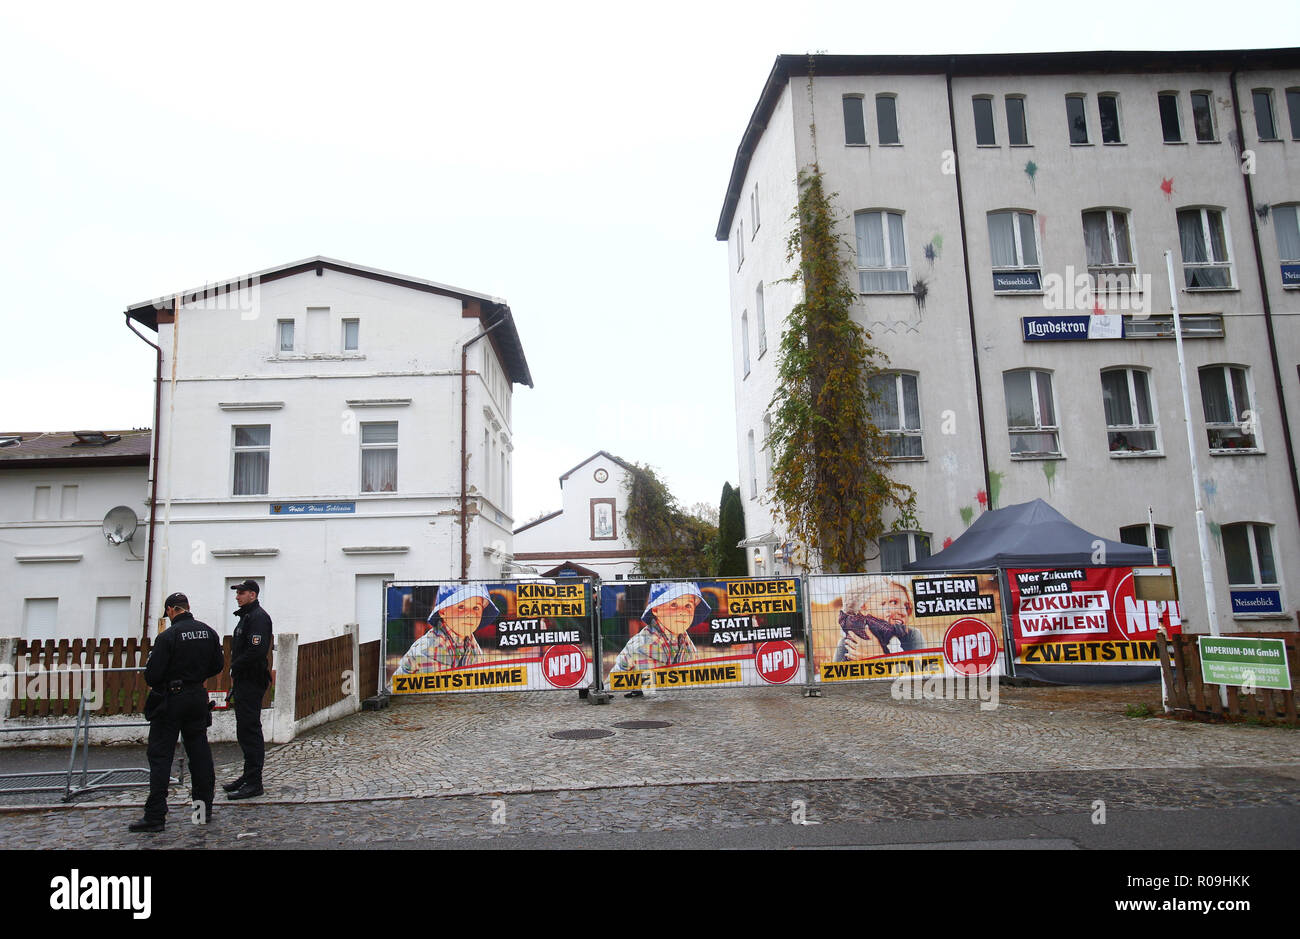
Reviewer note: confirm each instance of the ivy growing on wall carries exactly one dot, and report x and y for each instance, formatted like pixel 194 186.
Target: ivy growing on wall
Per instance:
pixel 669 541
pixel 830 485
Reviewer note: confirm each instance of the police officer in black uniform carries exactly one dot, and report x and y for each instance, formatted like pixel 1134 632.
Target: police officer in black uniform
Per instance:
pixel 183 657
pixel 249 675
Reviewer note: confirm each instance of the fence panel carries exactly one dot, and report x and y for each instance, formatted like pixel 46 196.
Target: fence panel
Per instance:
pixel 1187 691
pixel 488 636
pixel 874 627
pixel 368 662
pixel 320 674
pixel 726 632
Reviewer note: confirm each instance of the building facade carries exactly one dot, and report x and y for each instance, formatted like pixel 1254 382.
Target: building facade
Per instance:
pixel 63 578
pixel 1008 218
pixel 324 427
pixel 590 529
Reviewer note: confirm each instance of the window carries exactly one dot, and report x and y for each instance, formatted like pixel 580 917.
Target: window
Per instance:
pixel 896 411
pixel 1031 416
pixel 760 319
pixel 901 548
pixel 1171 126
pixel 984 135
pixel 1286 225
pixel 1141 535
pixel 1203 116
pixel 1226 400
pixel 855 128
pixel 351 335
pixel 1109 246
pixel 1265 126
pixel 1204 242
pixel 1130 413
pixel 1108 109
pixel 1248 551
pixel 740 245
pixel 753 470
pixel 886 119
pixel 767 448
pixel 252 449
pixel 1013 249
pixel 1293 111
pixel 744 340
pixel 1077 118
pixel 753 211
pixel 285 330
pixel 1017 129
pixel 379 456
pixel 882 253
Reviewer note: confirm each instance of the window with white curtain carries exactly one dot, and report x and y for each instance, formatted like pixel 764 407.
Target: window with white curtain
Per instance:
pixel 1248 552
pixel 767 448
pixel 1131 422
pixel 1286 225
pixel 1229 415
pixel 882 252
pixel 896 411
pixel 284 331
pixel 1109 245
pixel 379 456
pixel 351 335
pixel 252 452
pixel 1013 240
pixel 1207 258
pixel 1031 414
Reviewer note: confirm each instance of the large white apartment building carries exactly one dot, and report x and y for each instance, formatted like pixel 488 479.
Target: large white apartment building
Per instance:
pixel 982 197
pixel 324 427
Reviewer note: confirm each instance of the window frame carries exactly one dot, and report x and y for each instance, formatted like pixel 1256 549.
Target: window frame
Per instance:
pixel 1070 120
pixel 1225 370
pixel 754 221
pixel 1134 426
pixel 1038 427
pixel 993 127
pixel 1176 98
pixel 236 451
pixel 1209 114
pixel 1251 530
pixel 365 448
pixel 861 117
pixel 1098 271
pixel 753 467
pixel 898 131
pixel 1267 95
pixel 744 342
pixel 1024 119
pixel 1289 210
pixel 1119 119
pixel 903 432
pixel 1293 111
pixel 280 325
pixel 1018 240
pixel 1145 528
pixel 740 243
pixel 354 322
pixel 911 538
pixel 1207 244
pixel 760 319
pixel 887 268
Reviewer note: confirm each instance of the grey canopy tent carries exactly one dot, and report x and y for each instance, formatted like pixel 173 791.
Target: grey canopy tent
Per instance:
pixel 1033 534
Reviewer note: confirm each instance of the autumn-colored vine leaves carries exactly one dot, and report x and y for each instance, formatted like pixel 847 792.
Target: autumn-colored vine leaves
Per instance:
pixel 829 483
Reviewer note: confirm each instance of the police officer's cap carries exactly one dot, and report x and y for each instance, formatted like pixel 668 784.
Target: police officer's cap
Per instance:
pixel 177 600
pixel 248 585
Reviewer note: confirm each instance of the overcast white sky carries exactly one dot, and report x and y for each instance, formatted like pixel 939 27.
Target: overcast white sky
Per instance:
pixel 568 157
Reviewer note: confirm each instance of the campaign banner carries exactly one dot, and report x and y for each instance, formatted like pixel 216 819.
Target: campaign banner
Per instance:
pixel 871 627
pixel 728 632
pixel 1087 620
pixel 520 636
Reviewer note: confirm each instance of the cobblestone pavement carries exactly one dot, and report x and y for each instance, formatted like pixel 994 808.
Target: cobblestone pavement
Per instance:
pixel 501 745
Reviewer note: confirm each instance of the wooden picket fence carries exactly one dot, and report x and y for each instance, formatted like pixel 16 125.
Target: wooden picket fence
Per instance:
pixel 320 674
pixel 1180 662
pixel 369 666
pixel 124 692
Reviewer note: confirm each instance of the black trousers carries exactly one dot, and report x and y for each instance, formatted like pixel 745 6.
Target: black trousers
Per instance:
pixel 187 715
pixel 248 726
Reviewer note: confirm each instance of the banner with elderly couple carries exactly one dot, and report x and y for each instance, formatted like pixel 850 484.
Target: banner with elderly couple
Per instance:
pixel 722 633
pixel 872 627
pixel 457 637
pixel 1085 624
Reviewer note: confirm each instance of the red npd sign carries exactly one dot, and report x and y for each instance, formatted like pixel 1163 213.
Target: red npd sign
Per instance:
pixel 777 662
pixel 563 666
pixel 970 647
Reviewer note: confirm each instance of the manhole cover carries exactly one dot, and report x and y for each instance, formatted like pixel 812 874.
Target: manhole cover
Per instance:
pixel 642 725
pixel 581 734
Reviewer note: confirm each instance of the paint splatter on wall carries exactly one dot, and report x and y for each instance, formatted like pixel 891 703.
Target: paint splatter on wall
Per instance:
pixel 933 248
pixel 967 514
pixel 1262 211
pixel 982 498
pixel 1049 472
pixel 1216 530
pixel 995 487
pixel 947 542
pixel 1211 489
pixel 1031 170
pixel 1167 186
pixel 920 290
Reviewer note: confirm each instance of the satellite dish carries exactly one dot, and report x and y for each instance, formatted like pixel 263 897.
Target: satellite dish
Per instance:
pixel 120 524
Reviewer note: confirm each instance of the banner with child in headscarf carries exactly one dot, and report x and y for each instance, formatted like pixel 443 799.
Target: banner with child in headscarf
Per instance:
pixel 525 636
pixel 704 633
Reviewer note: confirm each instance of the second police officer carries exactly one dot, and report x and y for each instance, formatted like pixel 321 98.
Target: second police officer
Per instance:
pixel 250 674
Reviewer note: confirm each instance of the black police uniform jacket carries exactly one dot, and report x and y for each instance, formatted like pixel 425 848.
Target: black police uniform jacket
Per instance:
pixel 252 645
pixel 188 652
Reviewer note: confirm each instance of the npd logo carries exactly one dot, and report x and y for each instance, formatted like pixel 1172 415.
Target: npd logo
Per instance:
pixel 970 647
pixel 563 666
pixel 777 662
